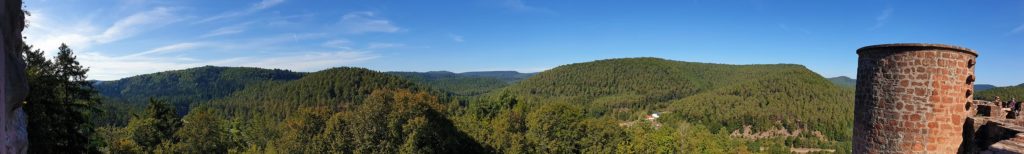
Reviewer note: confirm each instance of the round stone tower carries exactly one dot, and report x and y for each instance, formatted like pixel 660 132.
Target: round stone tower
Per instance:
pixel 912 98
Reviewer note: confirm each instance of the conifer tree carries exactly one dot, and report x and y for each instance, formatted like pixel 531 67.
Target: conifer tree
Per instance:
pixel 59 101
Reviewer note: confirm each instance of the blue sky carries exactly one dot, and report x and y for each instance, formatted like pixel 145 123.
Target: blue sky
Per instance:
pixel 122 38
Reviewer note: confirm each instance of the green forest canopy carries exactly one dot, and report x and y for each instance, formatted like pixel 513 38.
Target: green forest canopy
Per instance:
pixel 276 110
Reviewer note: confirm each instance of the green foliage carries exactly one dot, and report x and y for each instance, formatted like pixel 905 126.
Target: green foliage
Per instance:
pixel 203 131
pixel 983 87
pixel 715 95
pixel 601 136
pixel 59 103
pixel 159 130
pixel 554 128
pixel 145 134
pixel 181 88
pixel 646 138
pixel 715 98
pixel 698 139
pixel 843 81
pixel 1006 93
pixel 156 126
pixel 654 79
pixel 464 84
pixel 592 107
pixel 791 98
pixel 341 110
pixel 336 88
pixel 386 122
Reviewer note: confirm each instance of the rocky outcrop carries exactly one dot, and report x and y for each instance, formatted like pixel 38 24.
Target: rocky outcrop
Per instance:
pixel 748 133
pixel 13 83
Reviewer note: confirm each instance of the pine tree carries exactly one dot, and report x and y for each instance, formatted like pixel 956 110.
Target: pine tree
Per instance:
pixel 156 126
pixel 59 101
pixel 202 132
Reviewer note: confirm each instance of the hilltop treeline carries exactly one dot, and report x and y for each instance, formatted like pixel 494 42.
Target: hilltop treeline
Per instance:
pixel 605 100
pixel 592 107
pixel 1006 93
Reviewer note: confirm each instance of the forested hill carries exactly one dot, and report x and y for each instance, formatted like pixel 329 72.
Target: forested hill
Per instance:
pixel 507 76
pixel 983 87
pixel 716 97
pixel 338 110
pixel 1006 93
pixel 787 98
pixel 343 110
pixel 590 107
pixel 336 87
pixel 465 84
pixel 844 81
pixel 639 81
pixel 852 83
pixel 184 87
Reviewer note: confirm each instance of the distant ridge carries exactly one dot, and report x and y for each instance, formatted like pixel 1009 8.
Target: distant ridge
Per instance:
pixel 1006 93
pixel 467 83
pixel 185 87
pixel 715 95
pixel 983 87
pixel 852 83
pixel 844 81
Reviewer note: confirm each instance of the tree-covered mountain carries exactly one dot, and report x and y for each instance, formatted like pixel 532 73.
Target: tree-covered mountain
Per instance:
pixel 183 87
pixel 507 76
pixel 844 81
pixel 644 83
pixel 464 84
pixel 789 98
pixel 343 110
pixel 591 107
pixel 717 98
pixel 852 83
pixel 336 87
pixel 983 87
pixel 1006 93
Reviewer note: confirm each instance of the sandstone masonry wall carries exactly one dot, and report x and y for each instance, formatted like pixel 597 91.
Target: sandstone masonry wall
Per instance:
pixel 912 98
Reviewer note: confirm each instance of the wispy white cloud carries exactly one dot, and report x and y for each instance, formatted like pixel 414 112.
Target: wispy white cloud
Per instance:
pixel 456 38
pixel 519 5
pixel 270 51
pixel 883 18
pixel 105 67
pixel 309 61
pixel 47 33
pixel 265 4
pixel 1018 29
pixel 233 29
pixel 136 23
pixel 290 20
pixel 338 43
pixel 169 48
pixel 366 22
pixel 377 45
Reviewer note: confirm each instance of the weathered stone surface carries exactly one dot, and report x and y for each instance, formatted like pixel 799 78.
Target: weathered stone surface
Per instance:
pixel 13 83
pixel 912 98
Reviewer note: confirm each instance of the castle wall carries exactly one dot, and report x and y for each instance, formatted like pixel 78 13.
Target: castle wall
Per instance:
pixel 912 98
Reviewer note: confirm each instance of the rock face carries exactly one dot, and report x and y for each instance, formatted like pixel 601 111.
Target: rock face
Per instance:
pixel 912 98
pixel 13 83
